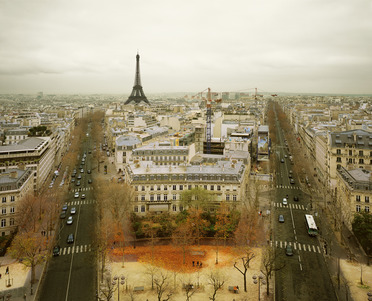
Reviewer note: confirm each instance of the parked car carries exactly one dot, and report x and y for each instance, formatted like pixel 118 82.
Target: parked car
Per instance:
pixel 56 251
pixel 281 218
pixel 63 214
pixel 77 183
pixel 282 160
pixel 70 238
pixel 79 176
pixel 70 220
pixel 89 171
pixel 64 207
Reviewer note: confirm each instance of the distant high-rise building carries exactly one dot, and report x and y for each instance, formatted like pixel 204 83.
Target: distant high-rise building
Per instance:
pixel 137 94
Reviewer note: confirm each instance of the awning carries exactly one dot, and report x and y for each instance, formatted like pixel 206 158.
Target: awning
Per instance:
pixel 155 208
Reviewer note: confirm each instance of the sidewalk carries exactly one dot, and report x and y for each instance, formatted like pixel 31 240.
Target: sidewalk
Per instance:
pixel 19 280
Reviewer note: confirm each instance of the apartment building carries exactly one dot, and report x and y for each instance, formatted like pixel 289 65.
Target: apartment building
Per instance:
pixel 13 136
pixel 158 188
pixel 354 193
pixel 349 149
pixel 123 150
pixel 164 153
pixel 14 185
pixel 36 153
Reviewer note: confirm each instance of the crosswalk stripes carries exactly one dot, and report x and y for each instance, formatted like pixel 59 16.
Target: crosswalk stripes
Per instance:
pixel 82 189
pixel 86 202
pixel 297 246
pixel 287 187
pixel 293 206
pixel 76 249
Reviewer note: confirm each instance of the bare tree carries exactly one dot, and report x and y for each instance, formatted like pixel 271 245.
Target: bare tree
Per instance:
pixel 245 260
pixel 217 281
pixel 151 271
pixel 182 237
pixel 270 264
pixel 107 290
pixel 197 224
pixel 162 286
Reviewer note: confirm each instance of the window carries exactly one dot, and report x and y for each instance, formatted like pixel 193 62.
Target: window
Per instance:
pixel 227 197
pixel 366 209
pixel 174 208
pixel 158 197
pixel 143 188
pixel 135 208
pixel 12 198
pixel 11 222
pixel 366 199
pixel 181 187
pixel 174 197
pixel 189 188
pixel 234 197
pixel 350 152
pixel 159 187
pixel 338 151
pixel 361 161
pixel 174 187
pixel 143 197
pixel 165 187
pixel 136 188
pixel 4 199
pixel 152 188
pixel 357 198
pixel 165 197
pixel 151 197
pixel 12 209
pixel 338 159
pixel 361 153
pixel 357 208
pixel 3 210
pixel 206 187
pixel 218 187
pixel 350 160
pixel 3 223
pixel 212 187
pixel 181 208
pixel 143 208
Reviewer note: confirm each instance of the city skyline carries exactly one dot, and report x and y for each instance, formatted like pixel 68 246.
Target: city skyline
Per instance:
pixel 307 47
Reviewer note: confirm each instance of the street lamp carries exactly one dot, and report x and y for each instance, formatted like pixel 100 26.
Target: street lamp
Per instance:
pixel 122 281
pixel 259 281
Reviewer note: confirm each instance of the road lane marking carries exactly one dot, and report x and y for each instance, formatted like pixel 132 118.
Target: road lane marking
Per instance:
pixel 314 249
pixel 294 246
pixel 318 249
pixel 304 247
pixel 299 246
pixel 309 248
pixel 68 250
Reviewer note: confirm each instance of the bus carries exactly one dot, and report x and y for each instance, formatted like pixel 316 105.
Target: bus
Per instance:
pixel 312 229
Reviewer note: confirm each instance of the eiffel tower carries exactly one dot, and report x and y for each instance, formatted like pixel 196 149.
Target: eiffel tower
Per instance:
pixel 137 94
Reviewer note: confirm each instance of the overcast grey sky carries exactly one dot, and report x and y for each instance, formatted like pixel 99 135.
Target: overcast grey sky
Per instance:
pixel 89 46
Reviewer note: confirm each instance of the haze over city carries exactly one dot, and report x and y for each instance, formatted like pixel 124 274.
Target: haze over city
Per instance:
pixel 276 46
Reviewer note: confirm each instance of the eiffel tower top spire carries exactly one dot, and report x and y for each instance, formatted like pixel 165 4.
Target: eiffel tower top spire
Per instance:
pixel 137 94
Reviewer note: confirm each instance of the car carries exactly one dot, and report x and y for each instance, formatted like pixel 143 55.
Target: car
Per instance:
pixel 73 175
pixel 73 180
pixel 83 195
pixel 290 175
pixel 69 220
pixel 77 183
pixel 288 250
pixel 292 181
pixel 285 202
pixel 73 210
pixel 90 181
pixel 74 171
pixel 79 176
pixel 70 238
pixel 281 218
pixel 295 198
pixel 82 170
pixel 89 171
pixel 285 156
pixel 90 152
pixel 282 160
pixel 56 251
pixel 51 186
pixel 63 214
pixel 76 195
pixel 64 207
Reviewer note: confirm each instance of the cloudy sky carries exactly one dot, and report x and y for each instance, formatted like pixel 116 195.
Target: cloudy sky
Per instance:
pixel 89 46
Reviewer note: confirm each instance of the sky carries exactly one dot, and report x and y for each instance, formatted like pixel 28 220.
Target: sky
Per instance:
pixel 90 46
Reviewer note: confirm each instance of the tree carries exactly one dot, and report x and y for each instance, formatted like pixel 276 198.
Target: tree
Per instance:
pixel 362 228
pixel 217 281
pixel 248 228
pixel 151 271
pixel 31 248
pixel 107 291
pixel 196 198
pixel 270 265
pixel 248 256
pixel 182 237
pixel 196 223
pixel 162 286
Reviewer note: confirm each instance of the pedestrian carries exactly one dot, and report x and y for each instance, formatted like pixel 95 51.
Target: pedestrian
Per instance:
pixel 0 276
pixel 193 263
pixel 7 270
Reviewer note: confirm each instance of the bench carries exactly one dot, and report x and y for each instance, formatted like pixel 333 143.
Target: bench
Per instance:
pixel 138 288
pixel 234 289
